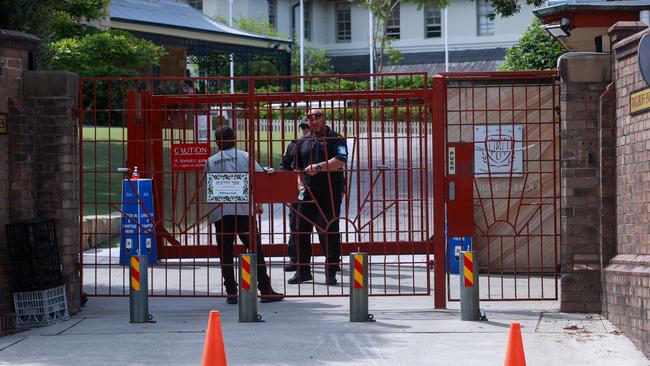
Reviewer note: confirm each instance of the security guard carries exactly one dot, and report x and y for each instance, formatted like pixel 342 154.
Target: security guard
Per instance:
pixel 321 156
pixel 287 164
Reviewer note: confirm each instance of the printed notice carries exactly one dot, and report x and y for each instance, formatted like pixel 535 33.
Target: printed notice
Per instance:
pixel 189 157
pixel 227 187
pixel 202 129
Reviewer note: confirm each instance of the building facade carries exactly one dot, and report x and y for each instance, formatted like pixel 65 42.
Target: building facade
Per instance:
pixel 476 43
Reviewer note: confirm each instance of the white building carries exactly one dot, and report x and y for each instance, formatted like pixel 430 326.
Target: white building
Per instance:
pixel 475 42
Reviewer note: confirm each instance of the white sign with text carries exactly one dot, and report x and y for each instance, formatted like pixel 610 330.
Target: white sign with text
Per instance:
pixel 227 187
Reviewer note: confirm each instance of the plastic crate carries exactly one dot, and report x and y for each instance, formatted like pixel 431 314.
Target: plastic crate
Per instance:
pixel 36 273
pixel 31 238
pixel 40 308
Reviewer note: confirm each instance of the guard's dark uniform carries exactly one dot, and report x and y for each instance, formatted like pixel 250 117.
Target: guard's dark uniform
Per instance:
pixel 287 164
pixel 322 202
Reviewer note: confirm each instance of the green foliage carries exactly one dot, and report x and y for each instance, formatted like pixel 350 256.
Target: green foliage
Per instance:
pixel 535 50
pixel 507 8
pixel 45 18
pixel 258 25
pixel 68 45
pixel 316 61
pixel 110 53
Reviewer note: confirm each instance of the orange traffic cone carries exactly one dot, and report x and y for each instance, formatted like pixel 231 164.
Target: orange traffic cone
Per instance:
pixel 515 349
pixel 213 352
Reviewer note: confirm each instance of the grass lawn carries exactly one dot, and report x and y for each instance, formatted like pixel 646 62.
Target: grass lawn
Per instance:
pixel 105 150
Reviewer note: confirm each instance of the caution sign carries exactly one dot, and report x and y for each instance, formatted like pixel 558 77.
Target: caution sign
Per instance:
pixel 189 157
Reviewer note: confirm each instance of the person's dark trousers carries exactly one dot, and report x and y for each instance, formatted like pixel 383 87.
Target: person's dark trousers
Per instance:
pixel 326 207
pixel 226 228
pixel 293 227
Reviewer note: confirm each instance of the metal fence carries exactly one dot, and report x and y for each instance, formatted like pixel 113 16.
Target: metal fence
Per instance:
pixel 387 208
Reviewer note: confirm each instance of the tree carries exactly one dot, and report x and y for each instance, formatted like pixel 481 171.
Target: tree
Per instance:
pixel 535 50
pixel 110 53
pixel 68 44
pixel 49 18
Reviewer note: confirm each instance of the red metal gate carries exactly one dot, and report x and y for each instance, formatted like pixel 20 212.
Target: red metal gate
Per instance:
pixel 513 121
pixel 394 158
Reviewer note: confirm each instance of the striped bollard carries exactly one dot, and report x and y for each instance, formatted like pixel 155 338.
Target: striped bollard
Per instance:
pixel 469 294
pixel 248 289
pixel 359 288
pixel 138 296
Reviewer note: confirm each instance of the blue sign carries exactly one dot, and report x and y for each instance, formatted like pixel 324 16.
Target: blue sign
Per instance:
pixel 454 246
pixel 137 234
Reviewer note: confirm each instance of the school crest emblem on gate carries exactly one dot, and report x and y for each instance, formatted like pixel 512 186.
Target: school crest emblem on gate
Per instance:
pixel 498 150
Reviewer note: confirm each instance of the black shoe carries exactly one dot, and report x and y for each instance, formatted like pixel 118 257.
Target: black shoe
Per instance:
pixel 231 300
pixel 300 277
pixel 272 297
pixel 291 267
pixel 331 280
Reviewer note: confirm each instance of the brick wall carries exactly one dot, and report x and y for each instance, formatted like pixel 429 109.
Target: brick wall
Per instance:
pixel 50 101
pixel 39 162
pixel 627 277
pixel 581 173
pixel 15 49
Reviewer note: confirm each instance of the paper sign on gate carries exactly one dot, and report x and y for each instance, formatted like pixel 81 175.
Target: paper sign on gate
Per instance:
pixel 189 157
pixel 202 128
pixel 227 187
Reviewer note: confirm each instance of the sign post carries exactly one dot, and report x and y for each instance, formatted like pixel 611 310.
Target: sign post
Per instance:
pixel 137 234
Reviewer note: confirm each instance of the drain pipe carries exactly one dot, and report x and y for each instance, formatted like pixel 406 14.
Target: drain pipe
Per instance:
pixel 644 17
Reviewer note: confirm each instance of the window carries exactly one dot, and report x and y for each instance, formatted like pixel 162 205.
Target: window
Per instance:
pixel 485 25
pixel 307 5
pixel 343 22
pixel 295 18
pixel 273 12
pixel 432 22
pixel 196 4
pixel 392 23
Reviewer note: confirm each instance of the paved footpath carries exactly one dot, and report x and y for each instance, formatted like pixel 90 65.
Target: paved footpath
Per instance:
pixel 316 331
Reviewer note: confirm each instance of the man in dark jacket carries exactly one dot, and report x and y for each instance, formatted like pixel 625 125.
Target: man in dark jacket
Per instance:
pixel 288 158
pixel 321 155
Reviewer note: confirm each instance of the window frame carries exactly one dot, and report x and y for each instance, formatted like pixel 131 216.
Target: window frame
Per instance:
pixel 343 28
pixel 392 29
pixel 272 8
pixel 483 9
pixel 196 4
pixel 429 12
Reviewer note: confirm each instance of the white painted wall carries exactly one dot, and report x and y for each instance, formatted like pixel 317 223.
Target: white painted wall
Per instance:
pixel 240 8
pixel 462 25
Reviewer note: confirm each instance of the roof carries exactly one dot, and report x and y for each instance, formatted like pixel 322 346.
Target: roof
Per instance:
pixel 555 7
pixel 180 15
pixel 486 59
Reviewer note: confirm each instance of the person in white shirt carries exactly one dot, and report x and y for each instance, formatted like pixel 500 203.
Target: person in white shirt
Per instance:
pixel 232 219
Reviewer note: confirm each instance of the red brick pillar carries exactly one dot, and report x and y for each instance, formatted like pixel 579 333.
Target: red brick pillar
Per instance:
pixel 585 77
